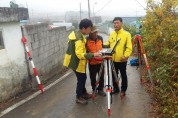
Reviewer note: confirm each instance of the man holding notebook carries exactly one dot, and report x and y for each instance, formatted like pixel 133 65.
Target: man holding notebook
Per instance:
pixel 122 52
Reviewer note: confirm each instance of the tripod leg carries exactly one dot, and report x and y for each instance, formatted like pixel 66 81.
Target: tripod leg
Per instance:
pixel 139 59
pixel 97 81
pixel 145 60
pixel 148 68
pixel 115 74
pixel 141 67
pixel 134 46
pixel 109 87
pixel 110 78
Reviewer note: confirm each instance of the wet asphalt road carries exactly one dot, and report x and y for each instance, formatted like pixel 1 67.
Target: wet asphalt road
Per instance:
pixel 59 102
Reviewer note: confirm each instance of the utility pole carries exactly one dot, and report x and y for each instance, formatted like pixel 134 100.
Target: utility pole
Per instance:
pixel 80 12
pixel 89 9
pixel 94 12
pixel 28 11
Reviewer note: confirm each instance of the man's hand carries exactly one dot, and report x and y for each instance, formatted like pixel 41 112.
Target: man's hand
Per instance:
pixel 97 54
pixel 123 59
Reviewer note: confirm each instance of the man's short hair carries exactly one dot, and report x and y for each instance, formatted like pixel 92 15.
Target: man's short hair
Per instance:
pixel 117 18
pixel 85 23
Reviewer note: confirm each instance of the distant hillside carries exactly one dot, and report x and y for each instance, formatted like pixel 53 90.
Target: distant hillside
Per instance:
pixel 128 20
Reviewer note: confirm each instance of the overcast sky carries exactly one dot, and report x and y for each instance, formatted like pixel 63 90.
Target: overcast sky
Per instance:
pixel 113 7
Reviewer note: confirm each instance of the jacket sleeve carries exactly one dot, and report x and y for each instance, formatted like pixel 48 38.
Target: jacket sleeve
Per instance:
pixel 128 45
pixel 80 51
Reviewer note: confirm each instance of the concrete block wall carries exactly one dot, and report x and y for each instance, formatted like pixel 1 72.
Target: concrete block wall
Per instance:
pixel 47 48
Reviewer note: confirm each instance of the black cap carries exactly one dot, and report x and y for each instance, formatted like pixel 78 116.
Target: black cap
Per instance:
pixel 117 18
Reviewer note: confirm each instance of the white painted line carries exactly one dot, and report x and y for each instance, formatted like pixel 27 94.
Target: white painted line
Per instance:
pixel 32 96
pixel 58 80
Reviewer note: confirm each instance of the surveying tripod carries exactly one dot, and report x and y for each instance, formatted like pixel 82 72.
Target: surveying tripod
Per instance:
pixel 108 66
pixel 141 55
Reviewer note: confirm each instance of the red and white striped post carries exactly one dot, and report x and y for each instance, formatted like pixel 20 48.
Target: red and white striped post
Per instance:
pixel 24 41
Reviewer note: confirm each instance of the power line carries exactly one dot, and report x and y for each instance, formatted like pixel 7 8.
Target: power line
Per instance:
pixel 140 4
pixel 103 6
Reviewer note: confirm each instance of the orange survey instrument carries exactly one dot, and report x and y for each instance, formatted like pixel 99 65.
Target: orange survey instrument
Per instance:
pixel 141 56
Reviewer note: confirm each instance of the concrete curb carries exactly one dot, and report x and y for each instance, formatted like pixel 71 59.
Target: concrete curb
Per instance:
pixel 32 96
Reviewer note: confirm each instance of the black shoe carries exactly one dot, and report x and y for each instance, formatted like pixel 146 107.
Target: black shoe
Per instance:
pixel 81 100
pixel 122 93
pixel 115 91
pixel 87 96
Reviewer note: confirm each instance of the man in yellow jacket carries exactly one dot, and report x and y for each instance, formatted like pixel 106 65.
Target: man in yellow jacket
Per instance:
pixel 122 52
pixel 76 58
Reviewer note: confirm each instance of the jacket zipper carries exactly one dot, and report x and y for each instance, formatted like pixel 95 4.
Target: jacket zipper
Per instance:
pixel 115 48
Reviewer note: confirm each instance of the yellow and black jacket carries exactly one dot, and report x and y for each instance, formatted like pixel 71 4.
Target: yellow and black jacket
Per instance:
pixel 76 56
pixel 123 48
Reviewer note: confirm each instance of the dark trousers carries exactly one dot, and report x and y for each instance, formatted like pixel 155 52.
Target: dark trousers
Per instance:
pixel 94 70
pixel 81 80
pixel 121 66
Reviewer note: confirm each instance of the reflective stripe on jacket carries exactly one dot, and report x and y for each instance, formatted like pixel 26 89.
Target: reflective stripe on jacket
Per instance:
pixel 75 57
pixel 123 48
pixel 94 46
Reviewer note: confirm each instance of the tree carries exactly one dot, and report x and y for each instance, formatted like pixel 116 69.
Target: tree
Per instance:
pixel 160 34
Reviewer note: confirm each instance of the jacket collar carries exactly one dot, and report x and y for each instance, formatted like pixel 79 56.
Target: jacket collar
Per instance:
pixel 121 30
pixel 76 35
